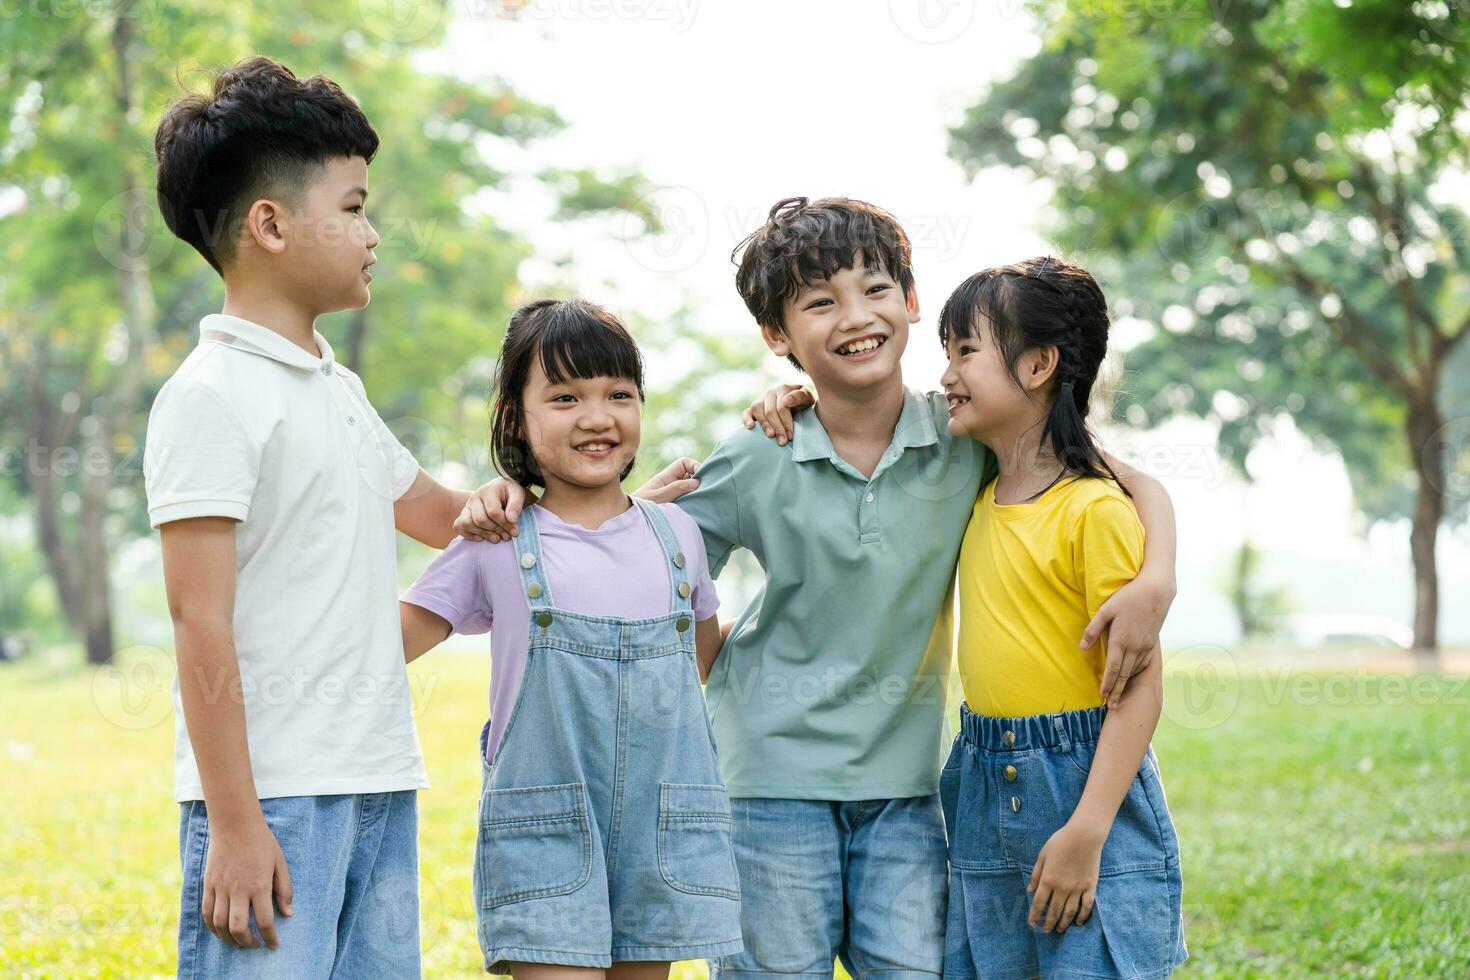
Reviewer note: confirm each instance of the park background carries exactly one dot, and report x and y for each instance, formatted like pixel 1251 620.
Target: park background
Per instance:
pixel 1274 196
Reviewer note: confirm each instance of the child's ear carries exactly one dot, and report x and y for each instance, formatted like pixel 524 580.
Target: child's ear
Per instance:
pixel 911 301
pixel 268 224
pixel 776 340
pixel 1039 365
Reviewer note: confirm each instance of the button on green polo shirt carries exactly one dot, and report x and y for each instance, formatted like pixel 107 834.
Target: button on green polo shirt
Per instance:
pixel 832 685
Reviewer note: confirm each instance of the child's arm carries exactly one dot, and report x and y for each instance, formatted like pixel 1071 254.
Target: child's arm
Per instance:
pixel 1107 550
pixel 491 512
pixel 422 630
pixel 427 511
pixel 708 639
pixel 1133 615
pixel 245 868
pixel 1064 880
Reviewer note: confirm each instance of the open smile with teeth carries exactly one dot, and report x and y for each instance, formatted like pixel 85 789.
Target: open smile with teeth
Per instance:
pixel 862 346
pixel 955 401
pixel 596 448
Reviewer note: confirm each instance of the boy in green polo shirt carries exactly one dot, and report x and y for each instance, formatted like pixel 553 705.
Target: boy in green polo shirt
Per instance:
pixel 828 697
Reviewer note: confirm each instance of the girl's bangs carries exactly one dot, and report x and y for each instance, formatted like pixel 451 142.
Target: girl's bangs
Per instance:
pixel 575 346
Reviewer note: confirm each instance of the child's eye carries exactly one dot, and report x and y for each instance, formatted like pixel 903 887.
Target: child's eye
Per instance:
pixel 622 394
pixel 558 398
pixel 356 209
pixel 879 288
pixel 816 303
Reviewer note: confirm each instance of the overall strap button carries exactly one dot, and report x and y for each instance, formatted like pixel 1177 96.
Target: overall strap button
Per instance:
pixel 679 560
pixel 543 619
pixel 682 624
pixel 534 590
pixel 528 560
pixel 684 590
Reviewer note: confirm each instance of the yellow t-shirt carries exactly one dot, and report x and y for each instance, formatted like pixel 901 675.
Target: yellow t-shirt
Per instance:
pixel 1031 577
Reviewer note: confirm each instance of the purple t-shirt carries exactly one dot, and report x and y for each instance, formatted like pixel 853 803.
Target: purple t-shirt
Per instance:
pixel 618 569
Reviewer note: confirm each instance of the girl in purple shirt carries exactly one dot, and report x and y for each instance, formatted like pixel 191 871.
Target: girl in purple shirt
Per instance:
pixel 604 840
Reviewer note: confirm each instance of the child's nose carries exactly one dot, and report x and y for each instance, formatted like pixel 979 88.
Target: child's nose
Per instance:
pixel 856 315
pixel 596 419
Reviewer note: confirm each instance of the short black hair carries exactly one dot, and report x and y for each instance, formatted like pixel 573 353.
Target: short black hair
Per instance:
pixel 573 339
pixel 805 241
pixel 261 131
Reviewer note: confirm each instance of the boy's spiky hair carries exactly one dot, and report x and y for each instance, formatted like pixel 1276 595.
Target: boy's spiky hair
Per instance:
pixel 261 132
pixel 806 241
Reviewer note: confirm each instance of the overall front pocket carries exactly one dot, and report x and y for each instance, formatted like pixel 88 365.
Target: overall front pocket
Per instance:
pixel 533 843
pixel 694 850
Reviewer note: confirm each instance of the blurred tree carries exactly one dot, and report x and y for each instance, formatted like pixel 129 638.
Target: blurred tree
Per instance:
pixel 1260 608
pixel 1270 181
pixel 98 302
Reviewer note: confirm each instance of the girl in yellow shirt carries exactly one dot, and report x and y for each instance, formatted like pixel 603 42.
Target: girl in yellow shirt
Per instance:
pixel 1063 857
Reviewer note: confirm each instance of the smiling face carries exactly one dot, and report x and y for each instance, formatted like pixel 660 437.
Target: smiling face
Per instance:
pixel 986 400
pixel 583 431
pixel 848 331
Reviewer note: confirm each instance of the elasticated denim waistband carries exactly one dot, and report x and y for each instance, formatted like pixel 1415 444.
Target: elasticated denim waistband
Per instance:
pixel 1031 731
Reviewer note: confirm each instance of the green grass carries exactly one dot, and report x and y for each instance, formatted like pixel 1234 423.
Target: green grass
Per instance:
pixel 1325 829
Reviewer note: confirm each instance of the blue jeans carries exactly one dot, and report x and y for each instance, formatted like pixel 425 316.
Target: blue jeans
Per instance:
pixel 353 861
pixel 864 881
pixel 1009 784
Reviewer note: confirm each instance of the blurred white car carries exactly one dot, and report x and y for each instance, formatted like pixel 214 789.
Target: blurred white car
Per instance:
pixel 1348 629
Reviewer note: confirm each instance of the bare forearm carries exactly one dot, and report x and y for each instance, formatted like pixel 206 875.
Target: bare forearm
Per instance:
pixel 214 713
pixel 1121 748
pixel 439 532
pixel 422 630
pixel 427 511
pixel 709 639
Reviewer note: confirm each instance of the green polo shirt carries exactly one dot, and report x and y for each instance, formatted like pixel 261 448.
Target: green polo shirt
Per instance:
pixel 832 685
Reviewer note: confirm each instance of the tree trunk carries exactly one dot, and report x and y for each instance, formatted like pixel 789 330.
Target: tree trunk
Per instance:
pixel 356 341
pixel 91 546
pixel 113 410
pixel 47 434
pixel 60 560
pixel 1427 457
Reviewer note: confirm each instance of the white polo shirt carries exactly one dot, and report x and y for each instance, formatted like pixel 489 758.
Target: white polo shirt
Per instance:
pixel 254 428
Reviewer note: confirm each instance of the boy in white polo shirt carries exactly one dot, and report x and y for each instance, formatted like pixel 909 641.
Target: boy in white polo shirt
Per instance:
pixel 277 489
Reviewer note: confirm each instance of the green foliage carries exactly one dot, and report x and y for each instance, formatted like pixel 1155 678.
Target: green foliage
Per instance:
pixel 447 277
pixel 1256 182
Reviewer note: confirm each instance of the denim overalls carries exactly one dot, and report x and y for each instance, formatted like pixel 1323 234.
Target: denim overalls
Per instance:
pixel 604 824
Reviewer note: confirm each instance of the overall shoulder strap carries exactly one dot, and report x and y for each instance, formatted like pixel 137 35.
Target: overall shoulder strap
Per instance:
pixel 678 565
pixel 535 586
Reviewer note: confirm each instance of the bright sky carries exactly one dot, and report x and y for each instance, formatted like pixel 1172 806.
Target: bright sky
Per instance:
pixel 732 106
